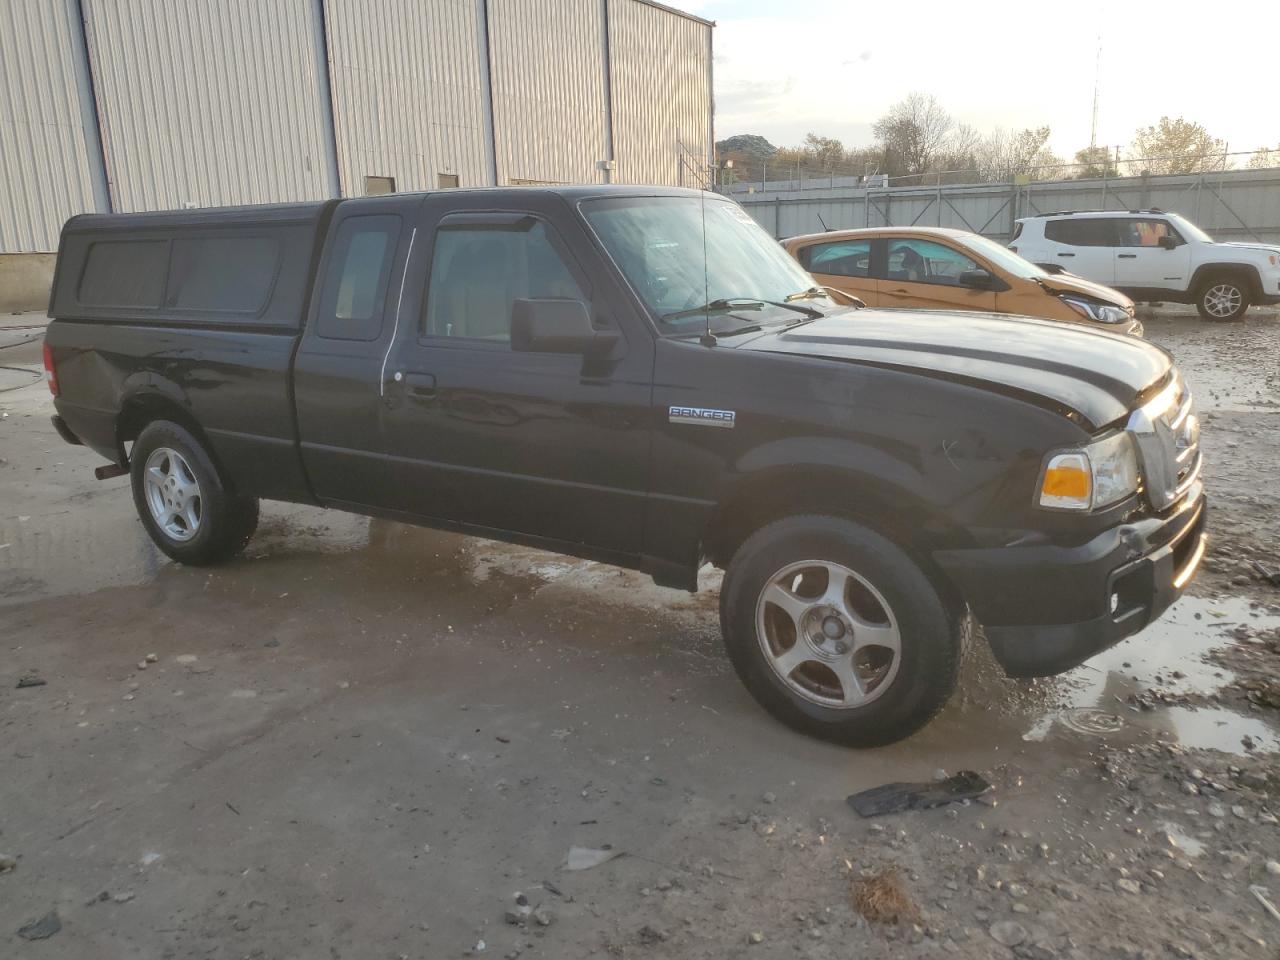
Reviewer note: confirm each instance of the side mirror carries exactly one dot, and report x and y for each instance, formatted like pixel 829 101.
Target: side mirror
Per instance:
pixel 556 326
pixel 976 279
pixel 1168 243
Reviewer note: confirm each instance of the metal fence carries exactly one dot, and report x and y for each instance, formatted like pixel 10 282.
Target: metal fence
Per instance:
pixel 1241 205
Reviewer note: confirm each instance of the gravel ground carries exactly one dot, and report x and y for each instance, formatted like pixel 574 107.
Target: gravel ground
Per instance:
pixel 368 740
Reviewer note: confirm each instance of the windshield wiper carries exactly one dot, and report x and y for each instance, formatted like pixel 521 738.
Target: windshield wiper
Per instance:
pixel 810 294
pixel 729 304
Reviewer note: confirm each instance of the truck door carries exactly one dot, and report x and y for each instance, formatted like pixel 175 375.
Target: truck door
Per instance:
pixel 339 362
pixel 550 445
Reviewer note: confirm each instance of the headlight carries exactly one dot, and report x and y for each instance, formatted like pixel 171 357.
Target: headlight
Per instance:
pixel 1099 312
pixel 1094 476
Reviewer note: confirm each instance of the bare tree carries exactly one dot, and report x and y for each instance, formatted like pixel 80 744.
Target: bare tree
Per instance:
pixel 913 133
pixel 1176 146
pixel 1264 158
pixel 1004 154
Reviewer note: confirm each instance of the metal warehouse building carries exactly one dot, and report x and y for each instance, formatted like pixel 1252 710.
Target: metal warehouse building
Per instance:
pixel 127 105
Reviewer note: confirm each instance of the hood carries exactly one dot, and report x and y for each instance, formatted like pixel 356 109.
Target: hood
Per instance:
pixel 1096 374
pixel 1255 247
pixel 1070 283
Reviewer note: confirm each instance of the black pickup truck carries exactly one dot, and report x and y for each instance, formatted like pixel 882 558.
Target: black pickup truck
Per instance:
pixel 643 377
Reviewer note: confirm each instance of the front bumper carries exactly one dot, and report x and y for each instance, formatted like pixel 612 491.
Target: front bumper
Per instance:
pixel 1046 608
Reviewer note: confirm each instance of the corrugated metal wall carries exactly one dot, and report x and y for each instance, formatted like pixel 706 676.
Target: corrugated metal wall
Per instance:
pixel 660 73
pixel 1233 205
pixel 50 164
pixel 221 102
pixel 407 92
pixel 548 74
pixel 209 103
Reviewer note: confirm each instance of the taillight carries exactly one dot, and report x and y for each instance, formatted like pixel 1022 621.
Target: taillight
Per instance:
pixel 50 374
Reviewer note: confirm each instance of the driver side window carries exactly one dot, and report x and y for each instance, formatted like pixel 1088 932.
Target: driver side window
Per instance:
pixel 478 271
pixel 923 261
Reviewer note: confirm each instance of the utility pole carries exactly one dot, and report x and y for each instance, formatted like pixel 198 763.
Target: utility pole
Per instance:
pixel 1097 77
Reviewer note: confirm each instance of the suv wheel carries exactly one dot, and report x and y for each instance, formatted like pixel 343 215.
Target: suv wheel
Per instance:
pixel 1223 299
pixel 183 502
pixel 837 632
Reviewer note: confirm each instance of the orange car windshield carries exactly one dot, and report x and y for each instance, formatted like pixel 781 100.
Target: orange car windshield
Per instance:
pixel 1004 258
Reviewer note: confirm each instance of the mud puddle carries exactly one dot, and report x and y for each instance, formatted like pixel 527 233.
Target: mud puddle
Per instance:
pixel 1124 693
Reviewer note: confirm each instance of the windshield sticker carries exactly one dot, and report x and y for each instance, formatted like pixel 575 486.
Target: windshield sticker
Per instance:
pixel 701 416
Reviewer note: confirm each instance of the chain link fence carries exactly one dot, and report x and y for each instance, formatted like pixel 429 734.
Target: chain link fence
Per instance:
pixel 1230 204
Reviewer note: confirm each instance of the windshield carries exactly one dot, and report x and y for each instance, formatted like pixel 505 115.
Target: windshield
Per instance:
pixel 1189 229
pixel 658 243
pixel 1005 258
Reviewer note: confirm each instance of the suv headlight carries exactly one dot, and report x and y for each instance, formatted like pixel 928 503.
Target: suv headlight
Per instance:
pixel 1090 477
pixel 1098 312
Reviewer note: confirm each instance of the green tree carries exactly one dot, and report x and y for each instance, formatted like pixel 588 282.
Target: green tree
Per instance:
pixel 1095 162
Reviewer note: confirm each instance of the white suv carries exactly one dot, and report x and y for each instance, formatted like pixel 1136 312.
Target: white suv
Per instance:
pixel 1153 256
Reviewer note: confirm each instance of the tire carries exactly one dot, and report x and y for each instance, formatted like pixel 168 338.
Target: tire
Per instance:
pixel 182 500
pixel 887 593
pixel 1223 299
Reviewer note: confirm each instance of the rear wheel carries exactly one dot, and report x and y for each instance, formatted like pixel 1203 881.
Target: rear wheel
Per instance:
pixel 182 500
pixel 838 632
pixel 1223 299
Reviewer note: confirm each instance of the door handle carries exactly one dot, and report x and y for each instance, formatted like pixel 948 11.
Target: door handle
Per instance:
pixel 1127 256
pixel 1066 254
pixel 900 290
pixel 420 384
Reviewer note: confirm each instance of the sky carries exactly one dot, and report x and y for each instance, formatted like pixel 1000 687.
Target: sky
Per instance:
pixel 784 68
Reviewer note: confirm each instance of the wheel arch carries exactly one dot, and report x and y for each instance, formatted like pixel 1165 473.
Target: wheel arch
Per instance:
pixel 775 492
pixel 1207 272
pixel 148 404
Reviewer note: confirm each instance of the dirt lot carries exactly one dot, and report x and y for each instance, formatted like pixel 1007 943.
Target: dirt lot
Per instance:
pixel 364 740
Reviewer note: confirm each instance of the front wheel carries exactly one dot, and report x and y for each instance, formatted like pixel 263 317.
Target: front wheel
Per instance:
pixel 181 499
pixel 1222 299
pixel 838 632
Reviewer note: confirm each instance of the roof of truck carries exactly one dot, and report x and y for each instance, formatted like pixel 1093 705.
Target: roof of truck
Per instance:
pixel 311 210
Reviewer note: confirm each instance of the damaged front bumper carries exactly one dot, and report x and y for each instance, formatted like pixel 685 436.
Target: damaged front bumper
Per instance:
pixel 1046 608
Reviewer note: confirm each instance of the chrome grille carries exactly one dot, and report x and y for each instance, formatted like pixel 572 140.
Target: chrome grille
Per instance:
pixel 1167 432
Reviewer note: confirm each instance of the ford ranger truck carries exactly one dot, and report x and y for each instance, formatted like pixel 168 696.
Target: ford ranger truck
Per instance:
pixel 643 377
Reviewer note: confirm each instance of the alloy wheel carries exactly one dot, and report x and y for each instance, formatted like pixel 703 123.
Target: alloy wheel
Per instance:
pixel 828 634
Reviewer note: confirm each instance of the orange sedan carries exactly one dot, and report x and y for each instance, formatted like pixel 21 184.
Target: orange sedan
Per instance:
pixel 940 269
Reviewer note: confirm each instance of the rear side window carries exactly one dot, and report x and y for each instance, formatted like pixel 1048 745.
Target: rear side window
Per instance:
pixel 124 273
pixel 1085 232
pixel 1144 233
pixel 222 274
pixel 841 258
pixel 1017 231
pixel 356 278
